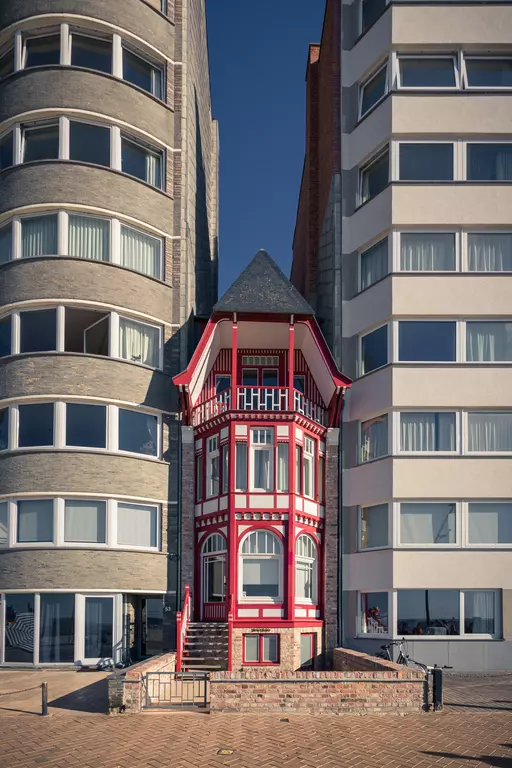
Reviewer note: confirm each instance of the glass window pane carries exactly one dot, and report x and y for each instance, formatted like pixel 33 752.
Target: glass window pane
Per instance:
pixel 85 521
pixel 141 162
pixel 92 53
pixel 299 383
pixel 270 378
pixel 38 330
pixel 5 336
pixel 35 521
pixel 6 151
pixel 141 252
pixel 7 64
pixel 89 238
pixel 490 522
pixel 427 432
pixel 4 429
pixel 241 467
pixel 40 143
pixel 489 73
pixel 373 91
pixel 57 629
pixel 153 616
pixel 252 648
pixel 89 143
pixel 489 162
pixel 138 432
pixel 225 469
pixel 35 425
pixel 490 252
pixel 428 612
pixel 4 524
pixel 99 621
pixel 270 649
pixel 427 73
pixel 373 531
pixel 375 177
pixel 249 377
pixel 374 350
pixel 86 425
pixel 480 613
pixel 371 10
pixel 137 525
pixel 199 478
pixel 260 577
pixel 39 236
pixel 42 51
pixel 222 383
pixel 426 341
pixel 374 613
pixel 427 523
pixel 374 264
pixel 282 466
pixel 490 431
pixel 489 342
pixel 426 162
pixel 374 438
pixel 140 72
pixel 427 251
pixel 19 629
pixel 139 342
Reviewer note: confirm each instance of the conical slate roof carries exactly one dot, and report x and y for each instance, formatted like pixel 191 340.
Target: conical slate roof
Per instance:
pixel 262 287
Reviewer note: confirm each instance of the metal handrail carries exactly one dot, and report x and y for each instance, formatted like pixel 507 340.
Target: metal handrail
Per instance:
pixel 258 398
pixel 182 622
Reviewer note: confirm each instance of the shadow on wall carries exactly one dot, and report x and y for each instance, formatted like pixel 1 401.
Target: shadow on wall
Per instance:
pixel 206 261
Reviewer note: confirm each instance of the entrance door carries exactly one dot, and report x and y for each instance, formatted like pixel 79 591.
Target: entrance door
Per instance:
pixel 98 629
pixel 214 588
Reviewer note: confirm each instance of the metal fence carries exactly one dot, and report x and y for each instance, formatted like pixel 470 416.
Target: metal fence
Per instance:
pixel 167 690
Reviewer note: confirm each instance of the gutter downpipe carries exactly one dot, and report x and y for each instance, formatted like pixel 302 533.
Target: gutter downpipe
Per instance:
pixel 341 618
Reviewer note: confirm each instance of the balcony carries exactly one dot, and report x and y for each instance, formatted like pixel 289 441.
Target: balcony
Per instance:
pixel 258 399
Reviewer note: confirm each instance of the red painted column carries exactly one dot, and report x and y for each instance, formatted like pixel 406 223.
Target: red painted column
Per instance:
pixel 290 569
pixel 232 548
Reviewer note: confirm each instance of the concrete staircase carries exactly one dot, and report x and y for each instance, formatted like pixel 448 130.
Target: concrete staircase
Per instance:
pixel 206 647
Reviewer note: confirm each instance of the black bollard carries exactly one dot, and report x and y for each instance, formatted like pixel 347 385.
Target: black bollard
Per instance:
pixel 44 699
pixel 437 675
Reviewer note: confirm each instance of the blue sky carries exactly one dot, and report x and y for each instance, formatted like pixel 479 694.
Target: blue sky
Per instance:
pixel 258 54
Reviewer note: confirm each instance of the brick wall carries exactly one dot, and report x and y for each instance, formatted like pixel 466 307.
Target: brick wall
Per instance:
pixel 125 687
pixel 289 646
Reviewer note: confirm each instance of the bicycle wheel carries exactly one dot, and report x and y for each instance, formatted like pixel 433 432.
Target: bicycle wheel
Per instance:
pixel 417 665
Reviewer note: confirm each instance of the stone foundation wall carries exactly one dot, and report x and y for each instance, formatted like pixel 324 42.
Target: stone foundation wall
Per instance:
pixel 289 647
pixel 125 686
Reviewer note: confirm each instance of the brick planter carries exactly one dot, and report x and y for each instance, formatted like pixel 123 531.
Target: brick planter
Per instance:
pixel 125 685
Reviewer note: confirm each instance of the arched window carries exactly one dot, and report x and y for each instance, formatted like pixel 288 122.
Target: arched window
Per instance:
pixel 306 569
pixel 214 543
pixel 261 567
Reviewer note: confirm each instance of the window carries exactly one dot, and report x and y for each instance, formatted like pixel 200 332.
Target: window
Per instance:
pixel 212 467
pixel 38 236
pixel 261 649
pixel 241 467
pixel 225 469
pixel 426 341
pixel 370 12
pixel 222 384
pixel 5 244
pixel 140 72
pixel 89 238
pixel 19 630
pixel 480 613
pixel 6 151
pixel 91 52
pixel 306 569
pixel 199 478
pixel 373 527
pixel 374 438
pixel 141 252
pixel 85 522
pixel 320 479
pixel 42 51
pixel 427 72
pixel 489 162
pixel 490 522
pixel 490 252
pixel 35 521
pixel 374 177
pixel 89 143
pixel 5 336
pixel 4 429
pixel 4 524
pixel 214 543
pixel 373 91
pixel 142 162
pixel 282 467
pixel 138 432
pixel 427 431
pixel 374 350
pixel 298 469
pixel 86 425
pixel 270 378
pixel 35 425
pixel 428 612
pixel 425 162
pixel 262 460
pixel 261 566
pixel 489 342
pixel 139 342
pixel 374 613
pixel 427 251
pixel 307 650
pixel 137 525
pixel 429 523
pixel 309 471
pixel 488 73
pixel 374 264
pixel 488 431
pixel 56 629
pixel 249 377
pixel 6 63
pixel 40 142
pixel 299 383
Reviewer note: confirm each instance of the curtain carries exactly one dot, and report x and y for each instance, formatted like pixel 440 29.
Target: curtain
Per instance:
pixel 140 252
pixel 489 342
pixel 89 238
pixel 98 627
pixel 84 521
pixel 4 537
pixel 304 580
pixel 490 523
pixel 39 236
pixel 490 431
pixel 489 162
pixel 6 244
pixel 213 475
pixel 374 264
pixel 374 441
pixel 35 521
pixel 490 252
pixel 153 169
pixel 139 342
pixel 262 467
pixel 479 612
pixel 57 629
pixel 136 525
pixel 427 251
pixel 427 523
pixel 282 466
pixel 427 432
pixel 241 466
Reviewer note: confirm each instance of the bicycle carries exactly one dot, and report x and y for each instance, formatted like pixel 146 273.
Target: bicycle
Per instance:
pixel 403 656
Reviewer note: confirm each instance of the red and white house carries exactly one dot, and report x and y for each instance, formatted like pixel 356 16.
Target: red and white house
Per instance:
pixel 260 395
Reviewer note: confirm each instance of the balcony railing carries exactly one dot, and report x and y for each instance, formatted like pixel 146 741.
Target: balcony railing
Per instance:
pixel 258 399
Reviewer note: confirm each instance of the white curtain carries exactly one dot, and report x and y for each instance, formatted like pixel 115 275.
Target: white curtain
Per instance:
pixel 490 431
pixel 374 264
pixel 489 341
pixel 241 467
pixel 136 525
pixel 262 469
pixel 35 521
pixel 260 576
pixel 490 523
pixel 139 342
pixel 479 612
pixel 374 442
pixel 304 580
pixel 427 431
pixel 89 238
pixel 490 162
pixel 374 526
pixel 140 252
pixel 39 236
pixel 6 244
pixel 282 466
pixel 490 252
pixel 153 169
pixel 85 521
pixel 427 251
pixel 4 538
pixel 427 523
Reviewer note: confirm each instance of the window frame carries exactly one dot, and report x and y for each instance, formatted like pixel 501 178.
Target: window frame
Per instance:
pixel 359 614
pixel 4 53
pixel 156 65
pixel 132 319
pixel 40 33
pixel 458 357
pixel 113 417
pixel 465 145
pixel 396 237
pixel 271 448
pixel 457 160
pixel 367 81
pixel 308 466
pixel 397 519
pixel 360 510
pixel 261 662
pixel 388 454
pixel 488 57
pixel 91 35
pixel 3 135
pixel 397 432
pixel 33 126
pixel 66 136
pixel 257 600
pixel 366 249
pixel 161 154
pixel 212 452
pixel 398 57
pixel 362 31
pixel 465 431
pixel 373 160
pixel 389 350
pixel 158 526
pixel 312 564
pixel 482 545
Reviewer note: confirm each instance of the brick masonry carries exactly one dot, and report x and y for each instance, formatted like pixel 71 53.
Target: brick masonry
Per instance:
pixel 289 647
pixel 126 687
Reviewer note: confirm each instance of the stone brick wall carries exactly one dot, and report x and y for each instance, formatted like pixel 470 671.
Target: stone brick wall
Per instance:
pixel 344 660
pixel 125 687
pixel 289 647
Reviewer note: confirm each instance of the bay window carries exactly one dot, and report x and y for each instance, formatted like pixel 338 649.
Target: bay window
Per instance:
pixel 43 51
pixel 91 53
pixel 282 467
pixel 427 251
pixel 137 525
pixel 86 425
pixel 373 90
pixel 241 467
pixel 5 244
pixel 428 612
pixel 142 162
pixel 374 438
pixel 306 569
pixel 309 471
pixel 374 350
pixel 489 341
pixel 427 431
pixel 490 252
pixel 373 526
pixel 488 72
pixel 40 142
pixel 5 336
pixel 89 143
pixel 4 429
pixel 261 649
pixel 212 467
pixel 489 161
pixel 141 252
pixel 490 522
pixel 426 341
pixel 35 521
pixel 374 177
pixel 374 613
pixel 261 566
pixel 423 161
pixel 489 431
pixel 262 460
pixel 85 522
pixel 138 432
pixel 374 264
pixel 35 425
pixel 139 342
pixel 140 72
pixel 427 523
pixel 38 236
pixel 88 237
pixel 427 72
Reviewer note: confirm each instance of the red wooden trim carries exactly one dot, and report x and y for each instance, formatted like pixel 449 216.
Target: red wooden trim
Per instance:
pixel 262 663
pixel 185 376
pixel 232 575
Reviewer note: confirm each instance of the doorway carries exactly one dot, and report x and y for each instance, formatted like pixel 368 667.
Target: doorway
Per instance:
pixel 214 579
